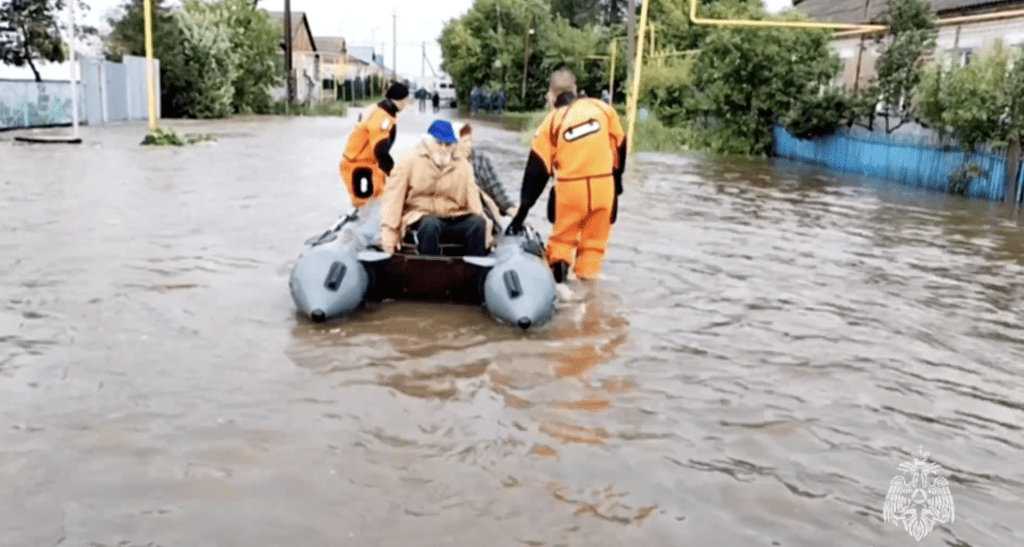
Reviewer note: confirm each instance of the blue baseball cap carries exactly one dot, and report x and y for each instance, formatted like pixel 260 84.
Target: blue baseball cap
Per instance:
pixel 442 131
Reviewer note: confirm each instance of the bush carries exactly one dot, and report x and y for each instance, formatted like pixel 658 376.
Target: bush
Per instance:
pixel 168 137
pixel 961 177
pixel 668 88
pixel 974 103
pixel 210 60
pixel 818 116
pixel 322 108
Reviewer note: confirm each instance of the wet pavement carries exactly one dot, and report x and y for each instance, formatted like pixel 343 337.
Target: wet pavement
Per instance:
pixel 772 341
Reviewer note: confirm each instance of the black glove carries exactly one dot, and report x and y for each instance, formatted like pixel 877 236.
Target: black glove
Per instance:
pixel 618 183
pixel 551 205
pixel 615 208
pixel 516 226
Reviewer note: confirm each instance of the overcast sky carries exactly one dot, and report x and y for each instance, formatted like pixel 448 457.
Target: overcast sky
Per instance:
pixel 370 23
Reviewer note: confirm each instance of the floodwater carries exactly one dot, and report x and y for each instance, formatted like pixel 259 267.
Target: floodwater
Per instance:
pixel 770 343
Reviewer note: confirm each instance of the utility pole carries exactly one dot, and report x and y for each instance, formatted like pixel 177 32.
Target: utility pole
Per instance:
pixel 74 83
pixel 288 49
pixel 394 45
pixel 423 62
pixel 860 50
pixel 631 37
pixel 150 91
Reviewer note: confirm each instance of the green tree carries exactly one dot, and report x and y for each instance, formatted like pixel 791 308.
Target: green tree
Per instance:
pixel 977 104
pixel 211 63
pixel 255 40
pixel 912 33
pixel 29 32
pixel 127 37
pixel 747 78
pixel 486 47
pixel 580 13
pixel 217 57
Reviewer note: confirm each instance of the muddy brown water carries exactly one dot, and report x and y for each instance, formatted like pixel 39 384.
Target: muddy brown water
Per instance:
pixel 772 341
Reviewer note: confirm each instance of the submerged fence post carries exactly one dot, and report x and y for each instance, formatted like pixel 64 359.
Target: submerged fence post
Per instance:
pixel 1012 167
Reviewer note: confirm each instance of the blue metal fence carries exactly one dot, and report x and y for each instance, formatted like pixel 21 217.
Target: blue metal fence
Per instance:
pixel 107 92
pixel 27 103
pixel 914 163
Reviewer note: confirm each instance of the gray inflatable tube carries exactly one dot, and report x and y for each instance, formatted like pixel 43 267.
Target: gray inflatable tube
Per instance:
pixel 342 269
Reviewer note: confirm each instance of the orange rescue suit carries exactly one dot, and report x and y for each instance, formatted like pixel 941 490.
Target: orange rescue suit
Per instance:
pixel 582 142
pixel 367 160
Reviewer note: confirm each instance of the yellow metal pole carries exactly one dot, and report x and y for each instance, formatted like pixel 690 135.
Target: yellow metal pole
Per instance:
pixel 636 77
pixel 148 16
pixel 611 73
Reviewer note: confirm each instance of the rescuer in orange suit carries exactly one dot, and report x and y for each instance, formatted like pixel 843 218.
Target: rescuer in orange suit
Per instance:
pixel 367 160
pixel 582 142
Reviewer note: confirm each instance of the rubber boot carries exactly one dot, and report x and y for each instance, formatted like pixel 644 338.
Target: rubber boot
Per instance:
pixel 561 271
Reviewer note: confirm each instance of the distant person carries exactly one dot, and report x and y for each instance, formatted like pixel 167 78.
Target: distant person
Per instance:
pixel 474 100
pixel 432 198
pixel 367 160
pixel 606 96
pixel 422 96
pixel 582 143
pixel 436 99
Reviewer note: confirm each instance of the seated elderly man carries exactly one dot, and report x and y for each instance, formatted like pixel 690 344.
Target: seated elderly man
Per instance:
pixel 432 194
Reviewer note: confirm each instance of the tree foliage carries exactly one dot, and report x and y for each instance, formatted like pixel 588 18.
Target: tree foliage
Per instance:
pixel 30 31
pixel 210 60
pixel 217 57
pixel 486 47
pixel 722 90
pixel 127 37
pixel 747 78
pixel 912 33
pixel 979 103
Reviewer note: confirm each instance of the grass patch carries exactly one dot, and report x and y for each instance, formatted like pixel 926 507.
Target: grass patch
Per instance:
pixel 162 136
pixel 650 135
pixel 512 121
pixel 319 108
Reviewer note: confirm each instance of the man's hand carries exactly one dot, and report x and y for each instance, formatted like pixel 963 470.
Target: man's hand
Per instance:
pixel 515 227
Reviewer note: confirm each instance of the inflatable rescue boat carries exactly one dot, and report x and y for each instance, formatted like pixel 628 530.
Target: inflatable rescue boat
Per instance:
pixel 343 268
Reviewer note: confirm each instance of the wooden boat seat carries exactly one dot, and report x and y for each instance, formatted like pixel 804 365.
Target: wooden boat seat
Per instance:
pixel 447 249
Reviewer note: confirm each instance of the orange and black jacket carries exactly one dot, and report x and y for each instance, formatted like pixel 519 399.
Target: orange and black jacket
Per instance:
pixel 380 140
pixel 544 155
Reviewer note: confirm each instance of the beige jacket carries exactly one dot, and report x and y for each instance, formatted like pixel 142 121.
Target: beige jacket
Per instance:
pixel 418 186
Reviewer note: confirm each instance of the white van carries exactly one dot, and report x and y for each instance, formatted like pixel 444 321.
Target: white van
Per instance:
pixel 446 91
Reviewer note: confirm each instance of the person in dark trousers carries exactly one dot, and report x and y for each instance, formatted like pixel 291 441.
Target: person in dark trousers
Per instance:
pixel 422 96
pixel 432 196
pixel 436 99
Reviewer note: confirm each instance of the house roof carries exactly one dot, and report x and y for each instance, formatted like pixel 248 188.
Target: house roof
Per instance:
pixel 299 22
pixel 330 44
pixel 852 11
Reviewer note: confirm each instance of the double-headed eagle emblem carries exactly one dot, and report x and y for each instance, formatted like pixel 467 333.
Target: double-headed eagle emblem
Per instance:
pixel 916 504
